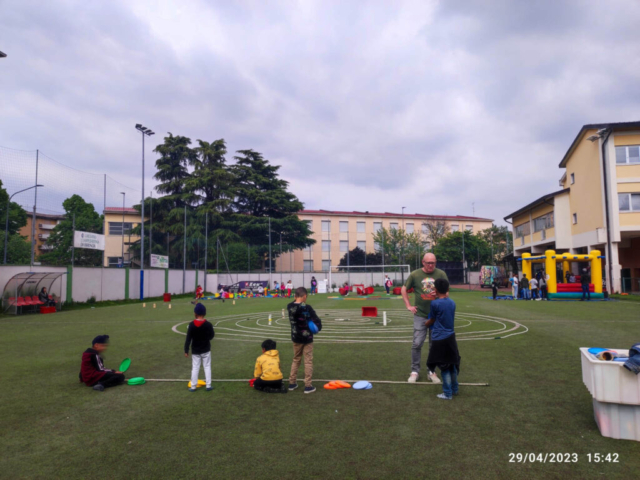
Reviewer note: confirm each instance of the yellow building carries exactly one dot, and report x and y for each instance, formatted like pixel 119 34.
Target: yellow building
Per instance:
pixel 597 208
pixel 118 225
pixel 45 223
pixel 336 233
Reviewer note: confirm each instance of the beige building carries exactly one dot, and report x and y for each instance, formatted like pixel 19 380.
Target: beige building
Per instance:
pixel 45 223
pixel 118 234
pixel 336 233
pixel 597 207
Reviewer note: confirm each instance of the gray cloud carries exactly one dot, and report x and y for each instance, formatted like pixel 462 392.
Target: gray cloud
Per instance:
pixel 370 106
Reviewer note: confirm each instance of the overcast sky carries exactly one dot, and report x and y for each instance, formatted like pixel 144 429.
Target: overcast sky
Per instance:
pixel 366 105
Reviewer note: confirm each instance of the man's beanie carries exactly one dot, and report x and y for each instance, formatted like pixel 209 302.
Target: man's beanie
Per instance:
pixel 100 339
pixel 200 310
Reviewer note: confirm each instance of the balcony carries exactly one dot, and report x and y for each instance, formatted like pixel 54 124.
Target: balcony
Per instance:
pixel 47 226
pixel 45 247
pixel 44 236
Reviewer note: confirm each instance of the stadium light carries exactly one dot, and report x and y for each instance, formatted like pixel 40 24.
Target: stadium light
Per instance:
pixel 144 131
pixel 6 224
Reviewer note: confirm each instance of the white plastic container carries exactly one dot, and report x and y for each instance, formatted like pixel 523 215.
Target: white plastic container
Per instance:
pixel 617 421
pixel 610 381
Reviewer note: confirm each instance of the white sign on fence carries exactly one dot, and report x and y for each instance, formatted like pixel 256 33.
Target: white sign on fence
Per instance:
pixel 159 261
pixel 94 241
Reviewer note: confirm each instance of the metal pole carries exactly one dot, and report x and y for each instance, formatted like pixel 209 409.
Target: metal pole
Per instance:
pixel 150 224
pixel 73 242
pixel 104 217
pixel 248 258
pixel 142 230
pixel 464 277
pixel 383 237
pixel 270 264
pixel 123 197
pixel 280 257
pixel 6 228
pixel 206 247
pixel 348 259
pixel 33 220
pixel 168 259
pixel 184 251
pixel 492 257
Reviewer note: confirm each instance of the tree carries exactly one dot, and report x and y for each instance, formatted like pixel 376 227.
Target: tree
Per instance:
pixel 17 215
pixel 391 242
pixel 358 257
pixel 434 231
pixel 477 250
pixel 502 240
pixel 18 249
pixel 61 239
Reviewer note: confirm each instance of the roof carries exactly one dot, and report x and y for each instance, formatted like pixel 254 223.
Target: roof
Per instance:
pixel 540 200
pixel 121 210
pixel 419 216
pixel 595 126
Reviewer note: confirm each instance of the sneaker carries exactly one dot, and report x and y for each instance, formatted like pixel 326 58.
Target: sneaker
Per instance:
pixel 283 389
pixel 292 386
pixel 413 378
pixel 442 396
pixel 209 388
pixel 192 389
pixel 98 387
pixel 309 389
pixel 434 378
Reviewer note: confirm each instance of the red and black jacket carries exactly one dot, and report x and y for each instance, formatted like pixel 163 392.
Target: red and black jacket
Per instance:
pixel 92 368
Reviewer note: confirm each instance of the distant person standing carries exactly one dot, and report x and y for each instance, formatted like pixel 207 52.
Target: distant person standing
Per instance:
pixel 585 280
pixel 514 286
pixel 423 283
pixel 494 289
pixel 542 286
pixel 387 283
pixel 568 276
pixel 289 288
pixel 534 289
pixel 524 285
pixel 314 286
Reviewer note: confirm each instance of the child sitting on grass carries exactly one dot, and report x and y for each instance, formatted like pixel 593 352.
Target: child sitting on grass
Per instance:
pixel 92 371
pixel 199 336
pixel 444 348
pixel 299 317
pixel 267 373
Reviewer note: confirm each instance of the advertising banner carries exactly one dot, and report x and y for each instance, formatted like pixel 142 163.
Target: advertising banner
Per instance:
pixel 159 261
pixel 94 241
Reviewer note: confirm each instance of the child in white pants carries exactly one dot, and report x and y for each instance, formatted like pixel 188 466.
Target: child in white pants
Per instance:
pixel 199 336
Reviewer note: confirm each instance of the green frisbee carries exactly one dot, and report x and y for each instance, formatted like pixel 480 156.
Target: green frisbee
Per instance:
pixel 124 366
pixel 136 381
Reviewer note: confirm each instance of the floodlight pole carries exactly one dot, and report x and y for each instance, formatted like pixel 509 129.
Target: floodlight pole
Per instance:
pixel 270 265
pixel 123 195
pixel 6 223
pixel 145 132
pixel 206 247
pixel 184 250
pixel 33 219
pixel 73 242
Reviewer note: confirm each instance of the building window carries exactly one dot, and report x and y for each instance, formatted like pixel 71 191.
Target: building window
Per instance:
pixel 344 226
pixel 469 228
pixel 629 202
pixel 115 261
pixel 377 226
pixel 575 218
pixel 361 227
pixel 573 178
pixel 326 225
pixel 425 229
pixel 326 265
pixel 308 266
pixel 115 228
pixel 628 154
pixel 326 245
pixel 344 246
pixel 455 228
pixel 522 230
pixel 409 227
pixel 362 245
pixel 543 222
pixel 394 226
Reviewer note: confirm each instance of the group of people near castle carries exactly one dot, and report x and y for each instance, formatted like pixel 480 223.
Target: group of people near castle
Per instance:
pixel 433 319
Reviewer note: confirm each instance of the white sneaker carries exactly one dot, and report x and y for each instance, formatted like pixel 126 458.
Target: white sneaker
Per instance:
pixel 413 378
pixel 434 378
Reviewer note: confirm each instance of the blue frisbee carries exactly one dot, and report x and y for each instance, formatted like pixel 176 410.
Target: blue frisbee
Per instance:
pixel 362 385
pixel 313 327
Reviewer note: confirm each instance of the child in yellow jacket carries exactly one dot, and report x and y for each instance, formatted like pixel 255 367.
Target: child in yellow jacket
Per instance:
pixel 267 373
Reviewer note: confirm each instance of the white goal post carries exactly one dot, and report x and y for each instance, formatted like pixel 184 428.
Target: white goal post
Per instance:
pixel 367 274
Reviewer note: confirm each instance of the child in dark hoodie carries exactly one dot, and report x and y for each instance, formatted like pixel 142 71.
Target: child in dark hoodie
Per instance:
pixel 299 317
pixel 199 336
pixel 92 371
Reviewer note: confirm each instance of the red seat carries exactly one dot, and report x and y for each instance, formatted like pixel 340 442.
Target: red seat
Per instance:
pixel 12 301
pixel 36 300
pixel 21 302
pixel 28 301
pixel 397 290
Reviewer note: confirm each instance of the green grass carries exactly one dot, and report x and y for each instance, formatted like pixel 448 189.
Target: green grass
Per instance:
pixel 53 427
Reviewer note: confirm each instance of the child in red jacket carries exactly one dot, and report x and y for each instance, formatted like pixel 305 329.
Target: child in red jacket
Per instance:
pixel 92 371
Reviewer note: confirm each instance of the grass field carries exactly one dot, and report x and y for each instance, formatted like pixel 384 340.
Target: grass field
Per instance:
pixel 53 427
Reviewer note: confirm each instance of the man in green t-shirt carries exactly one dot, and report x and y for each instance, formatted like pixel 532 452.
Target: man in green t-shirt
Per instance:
pixel 423 283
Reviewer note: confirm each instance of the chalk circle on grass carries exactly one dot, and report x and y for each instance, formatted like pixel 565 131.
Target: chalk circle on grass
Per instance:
pixel 136 381
pixel 344 326
pixel 362 385
pixel 124 366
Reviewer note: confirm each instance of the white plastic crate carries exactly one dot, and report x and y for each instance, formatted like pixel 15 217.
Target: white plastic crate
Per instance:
pixel 610 381
pixel 617 421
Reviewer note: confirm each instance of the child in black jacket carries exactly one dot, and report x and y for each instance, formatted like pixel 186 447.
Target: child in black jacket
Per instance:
pixel 299 316
pixel 199 336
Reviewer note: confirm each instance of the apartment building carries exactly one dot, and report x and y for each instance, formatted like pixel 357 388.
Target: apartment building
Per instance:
pixel 45 223
pixel 118 225
pixel 337 232
pixel 597 206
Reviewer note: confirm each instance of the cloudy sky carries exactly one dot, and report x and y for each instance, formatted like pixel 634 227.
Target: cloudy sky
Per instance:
pixel 366 105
